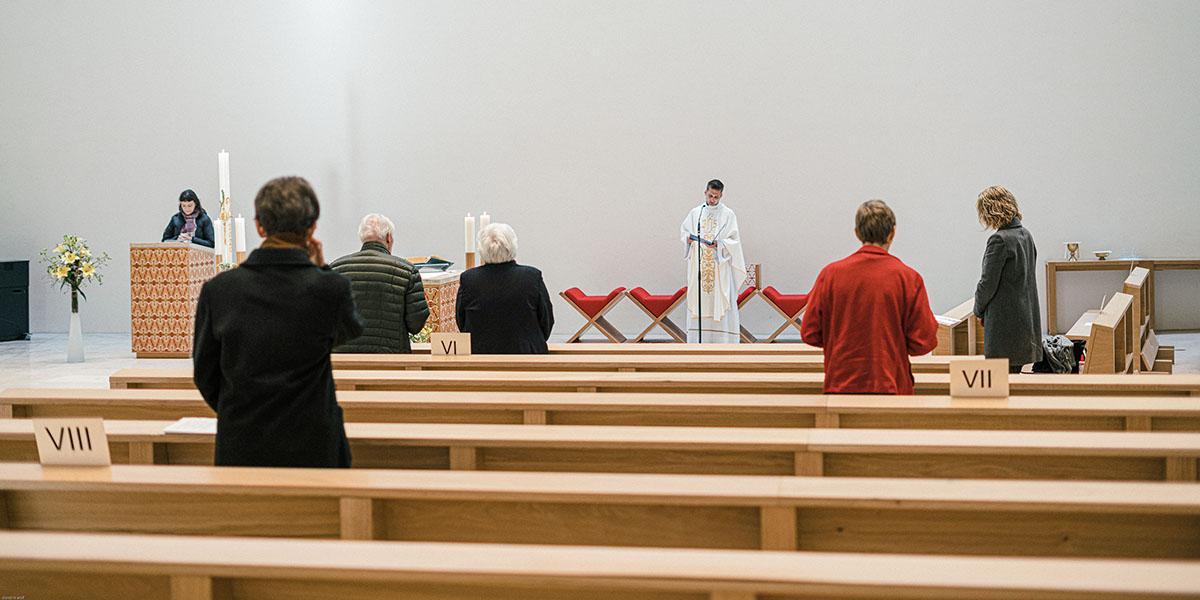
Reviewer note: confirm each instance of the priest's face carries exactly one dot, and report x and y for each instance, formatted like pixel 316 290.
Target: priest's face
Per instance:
pixel 712 197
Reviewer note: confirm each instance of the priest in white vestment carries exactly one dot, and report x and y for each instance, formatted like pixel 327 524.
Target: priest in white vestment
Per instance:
pixel 714 278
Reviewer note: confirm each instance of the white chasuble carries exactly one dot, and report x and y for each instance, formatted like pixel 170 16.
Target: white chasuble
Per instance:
pixel 714 279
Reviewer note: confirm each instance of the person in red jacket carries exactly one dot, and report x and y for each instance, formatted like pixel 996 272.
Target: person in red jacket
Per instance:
pixel 870 312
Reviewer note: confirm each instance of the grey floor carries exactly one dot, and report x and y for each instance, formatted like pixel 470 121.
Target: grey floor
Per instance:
pixel 41 362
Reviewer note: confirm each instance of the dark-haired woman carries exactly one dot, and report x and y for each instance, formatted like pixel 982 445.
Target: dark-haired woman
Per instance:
pixel 191 223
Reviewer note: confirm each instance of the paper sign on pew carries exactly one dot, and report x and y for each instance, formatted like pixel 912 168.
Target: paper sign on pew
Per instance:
pixel 72 442
pixel 979 378
pixel 450 344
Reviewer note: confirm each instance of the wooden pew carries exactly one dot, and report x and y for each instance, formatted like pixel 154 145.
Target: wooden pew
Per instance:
pixel 901 516
pixel 1148 354
pixel 1110 347
pixel 616 363
pixel 1126 456
pixel 959 331
pixel 669 349
pixel 1064 413
pixel 706 383
pixel 92 566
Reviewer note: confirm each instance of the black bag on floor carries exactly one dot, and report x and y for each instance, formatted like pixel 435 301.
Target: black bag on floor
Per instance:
pixel 1059 355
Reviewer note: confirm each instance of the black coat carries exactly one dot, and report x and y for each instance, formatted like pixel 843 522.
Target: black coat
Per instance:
pixel 204 229
pixel 506 309
pixel 1007 297
pixel 261 360
pixel 389 296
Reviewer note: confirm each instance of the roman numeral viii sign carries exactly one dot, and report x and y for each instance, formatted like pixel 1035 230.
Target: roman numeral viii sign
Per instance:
pixel 74 442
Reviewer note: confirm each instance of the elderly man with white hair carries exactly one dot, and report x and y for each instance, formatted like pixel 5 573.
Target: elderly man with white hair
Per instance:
pixel 504 306
pixel 387 291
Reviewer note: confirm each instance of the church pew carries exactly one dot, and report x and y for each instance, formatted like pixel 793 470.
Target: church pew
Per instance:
pixel 84 566
pixel 619 363
pixel 1128 456
pixel 1066 413
pixel 668 349
pixel 901 516
pixel 1149 355
pixel 959 331
pixel 705 383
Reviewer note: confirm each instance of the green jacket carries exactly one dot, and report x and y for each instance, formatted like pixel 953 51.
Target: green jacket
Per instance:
pixel 390 299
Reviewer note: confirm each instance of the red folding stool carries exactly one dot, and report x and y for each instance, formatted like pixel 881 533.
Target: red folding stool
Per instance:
pixel 659 309
pixel 593 308
pixel 790 306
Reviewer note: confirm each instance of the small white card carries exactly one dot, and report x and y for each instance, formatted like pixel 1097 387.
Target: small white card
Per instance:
pixel 193 425
pixel 979 378
pixel 450 344
pixel 72 442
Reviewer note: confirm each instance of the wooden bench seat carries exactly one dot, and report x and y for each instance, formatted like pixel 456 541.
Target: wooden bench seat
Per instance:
pixel 1126 456
pixel 668 349
pixel 86 566
pixel 902 516
pixel 707 383
pixel 690 410
pixel 616 363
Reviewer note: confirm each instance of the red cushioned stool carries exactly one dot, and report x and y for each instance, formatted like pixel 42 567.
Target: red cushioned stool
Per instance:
pixel 659 308
pixel 743 298
pixel 593 308
pixel 791 306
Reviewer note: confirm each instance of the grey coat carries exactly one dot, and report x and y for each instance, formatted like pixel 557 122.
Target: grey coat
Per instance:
pixel 389 296
pixel 1007 296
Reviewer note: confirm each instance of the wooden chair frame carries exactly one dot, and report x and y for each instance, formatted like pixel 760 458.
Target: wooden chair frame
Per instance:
pixel 747 337
pixel 604 326
pixel 788 320
pixel 663 320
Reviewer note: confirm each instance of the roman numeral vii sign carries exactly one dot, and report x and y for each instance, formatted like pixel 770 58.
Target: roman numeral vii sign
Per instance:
pixel 986 378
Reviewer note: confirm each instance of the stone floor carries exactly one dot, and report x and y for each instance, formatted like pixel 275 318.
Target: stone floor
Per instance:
pixel 41 362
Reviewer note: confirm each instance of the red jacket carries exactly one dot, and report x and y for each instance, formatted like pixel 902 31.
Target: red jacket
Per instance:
pixel 870 312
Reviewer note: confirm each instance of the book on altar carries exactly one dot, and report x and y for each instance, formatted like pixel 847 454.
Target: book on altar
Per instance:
pixel 193 425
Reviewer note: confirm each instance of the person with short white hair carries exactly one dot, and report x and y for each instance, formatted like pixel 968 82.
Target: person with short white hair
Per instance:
pixel 387 290
pixel 503 305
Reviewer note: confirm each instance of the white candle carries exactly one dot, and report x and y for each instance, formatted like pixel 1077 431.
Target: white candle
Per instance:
pixel 469 231
pixel 239 234
pixel 484 220
pixel 219 242
pixel 223 174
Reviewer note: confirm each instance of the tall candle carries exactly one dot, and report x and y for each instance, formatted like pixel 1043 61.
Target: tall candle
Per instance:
pixel 223 174
pixel 239 234
pixel 219 242
pixel 484 220
pixel 469 231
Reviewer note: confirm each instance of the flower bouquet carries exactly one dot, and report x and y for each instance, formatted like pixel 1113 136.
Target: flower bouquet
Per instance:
pixel 71 264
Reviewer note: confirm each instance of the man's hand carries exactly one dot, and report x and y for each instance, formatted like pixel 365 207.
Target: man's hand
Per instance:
pixel 316 252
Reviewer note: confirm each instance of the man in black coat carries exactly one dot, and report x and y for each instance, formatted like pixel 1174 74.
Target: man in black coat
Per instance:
pixel 263 335
pixel 504 306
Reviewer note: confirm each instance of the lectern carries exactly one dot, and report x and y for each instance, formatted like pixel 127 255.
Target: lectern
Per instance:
pixel 164 284
pixel 959 331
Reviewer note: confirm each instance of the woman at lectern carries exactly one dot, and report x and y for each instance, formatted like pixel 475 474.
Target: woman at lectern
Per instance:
pixel 191 223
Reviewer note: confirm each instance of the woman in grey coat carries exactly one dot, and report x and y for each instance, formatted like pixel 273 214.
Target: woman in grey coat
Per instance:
pixel 1006 298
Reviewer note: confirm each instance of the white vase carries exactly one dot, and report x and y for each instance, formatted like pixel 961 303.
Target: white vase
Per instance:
pixel 75 340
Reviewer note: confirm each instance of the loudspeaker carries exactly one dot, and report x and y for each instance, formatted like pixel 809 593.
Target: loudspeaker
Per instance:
pixel 14 300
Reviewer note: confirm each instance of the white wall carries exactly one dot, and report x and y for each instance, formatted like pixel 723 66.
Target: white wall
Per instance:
pixel 591 127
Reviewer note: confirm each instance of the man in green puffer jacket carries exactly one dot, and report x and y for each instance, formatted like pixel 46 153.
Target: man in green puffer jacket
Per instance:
pixel 387 291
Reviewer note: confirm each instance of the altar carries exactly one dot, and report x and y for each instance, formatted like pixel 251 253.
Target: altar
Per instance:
pixel 441 294
pixel 164 284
